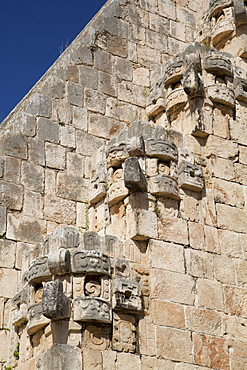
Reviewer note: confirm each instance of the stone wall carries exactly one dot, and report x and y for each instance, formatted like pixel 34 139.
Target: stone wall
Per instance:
pixel 123 196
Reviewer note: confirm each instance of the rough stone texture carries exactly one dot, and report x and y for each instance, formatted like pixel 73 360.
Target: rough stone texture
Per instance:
pixel 164 199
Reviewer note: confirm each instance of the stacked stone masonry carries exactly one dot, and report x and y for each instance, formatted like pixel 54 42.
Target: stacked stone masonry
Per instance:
pixel 123 202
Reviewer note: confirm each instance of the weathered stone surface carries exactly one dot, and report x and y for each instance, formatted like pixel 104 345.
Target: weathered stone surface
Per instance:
pixel 133 361
pixel 12 169
pixel 55 156
pixel 3 220
pixel 124 333
pixel 172 286
pixel 32 176
pixel 206 321
pixel 199 264
pixel 210 294
pixel 166 256
pixel 235 300
pixel 8 282
pixel 59 210
pixel 39 105
pixel 141 224
pixel 231 218
pixel 90 262
pixel 170 341
pixel 48 130
pixel 210 351
pixel 14 145
pixel 7 253
pixel 72 187
pixel 55 305
pixel 126 295
pixel 92 309
pixel 168 314
pixel 24 228
pixel 62 356
pixel 173 229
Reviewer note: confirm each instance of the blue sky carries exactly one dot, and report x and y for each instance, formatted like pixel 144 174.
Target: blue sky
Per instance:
pixel 33 33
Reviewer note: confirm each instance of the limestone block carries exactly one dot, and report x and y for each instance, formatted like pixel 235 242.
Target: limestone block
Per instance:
pixel 92 241
pixel 88 77
pixel 64 237
pixel 242 154
pixel 55 156
pixel 199 264
pixel 173 229
pixel 168 314
pixel 208 211
pixel 124 333
pixel 8 282
pixel 153 363
pixel 128 361
pixel 76 164
pixel 80 118
pixel 147 337
pixel 126 295
pixel 19 315
pixel 209 294
pixel 124 68
pixel 141 224
pixel 3 345
pixel 231 218
pixel 196 235
pixel 170 341
pixel 134 178
pixel 55 305
pixel 24 228
pixel 36 320
pixel 75 93
pixel 40 105
pixel 59 262
pixel 172 286
pixel 109 359
pixel 48 130
pixel 11 195
pixel 95 100
pixel 36 151
pixel 235 300
pixel 167 256
pixel 12 169
pixel 92 359
pixel 241 174
pixel 228 193
pixel 238 355
pixel 161 148
pixel 210 351
pixel 202 320
pixel 87 144
pixel 230 243
pixel 82 55
pixel 236 328
pixel 7 253
pixel 14 145
pixel 190 176
pixel 3 220
pixel 32 176
pixel 238 132
pixel 241 275
pixel 97 337
pixel 176 99
pixel 221 148
pixel 33 204
pixel 72 187
pixel 92 309
pixel 62 356
pixel 90 262
pixel 223 168
pixel 240 89
pixel 165 186
pixel 39 270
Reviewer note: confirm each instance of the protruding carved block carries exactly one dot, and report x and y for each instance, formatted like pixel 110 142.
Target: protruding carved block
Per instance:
pixel 36 320
pixel 134 178
pixel 124 333
pixel 215 6
pixel 192 83
pixel 55 305
pixel 117 190
pixel 221 94
pixel 64 237
pixel 224 26
pixel 126 295
pixel 219 64
pixel 156 100
pixel 116 154
pixel 97 337
pixel 90 262
pixel 19 315
pixel 240 85
pixel 97 187
pixel 190 176
pixel 175 99
pixel 160 148
pixel 121 268
pixel 173 70
pixel 164 186
pixel 39 270
pixel 141 224
pixel 59 262
pixel 135 146
pixel 91 241
pixel 92 309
